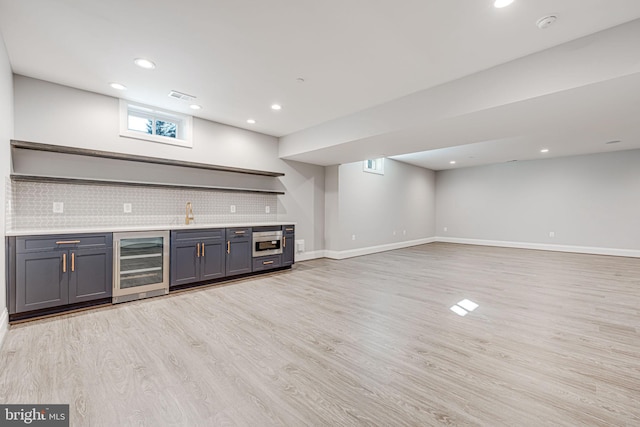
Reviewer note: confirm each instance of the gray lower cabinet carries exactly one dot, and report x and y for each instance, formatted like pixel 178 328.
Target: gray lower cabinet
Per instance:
pixel 53 271
pixel 239 254
pixel 197 255
pixel 288 244
pixel 267 262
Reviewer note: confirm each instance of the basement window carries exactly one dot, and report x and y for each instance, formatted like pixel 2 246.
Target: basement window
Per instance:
pixel 374 166
pixel 156 125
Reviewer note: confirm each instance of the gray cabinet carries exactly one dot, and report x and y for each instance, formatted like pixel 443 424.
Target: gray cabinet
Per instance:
pixel 53 271
pixel 288 244
pixel 239 256
pixel 197 255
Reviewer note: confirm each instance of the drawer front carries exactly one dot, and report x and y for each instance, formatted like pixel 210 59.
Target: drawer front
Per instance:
pixel 267 262
pixel 197 235
pixel 239 233
pixel 26 244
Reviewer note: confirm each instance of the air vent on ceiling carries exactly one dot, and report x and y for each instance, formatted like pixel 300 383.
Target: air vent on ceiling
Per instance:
pixel 182 96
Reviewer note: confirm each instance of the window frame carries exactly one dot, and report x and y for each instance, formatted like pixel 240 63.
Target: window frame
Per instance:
pixel 379 166
pixel 184 124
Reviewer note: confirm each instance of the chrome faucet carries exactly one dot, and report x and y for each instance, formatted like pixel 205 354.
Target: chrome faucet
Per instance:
pixel 189 217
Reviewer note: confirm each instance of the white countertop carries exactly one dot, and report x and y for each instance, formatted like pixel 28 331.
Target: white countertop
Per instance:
pixel 129 228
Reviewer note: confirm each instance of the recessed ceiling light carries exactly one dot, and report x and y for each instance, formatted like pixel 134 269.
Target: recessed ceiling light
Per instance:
pixel 144 63
pixel 276 107
pixel 453 162
pixel 251 121
pixel 544 150
pixel 195 107
pixel 118 86
pixel 502 3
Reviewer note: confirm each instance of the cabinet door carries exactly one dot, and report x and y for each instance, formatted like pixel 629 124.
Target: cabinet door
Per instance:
pixel 42 280
pixel 288 245
pixel 90 274
pixel 212 259
pixel 185 266
pixel 238 251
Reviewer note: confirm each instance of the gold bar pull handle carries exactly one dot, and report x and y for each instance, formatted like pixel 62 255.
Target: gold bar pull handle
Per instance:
pixel 288 229
pixel 267 262
pixel 198 250
pixel 284 241
pixel 202 248
pixel 67 242
pixel 64 263
pixel 73 261
pixel 228 246
pixel 240 232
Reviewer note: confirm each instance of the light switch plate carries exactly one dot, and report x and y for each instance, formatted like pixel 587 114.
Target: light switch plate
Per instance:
pixel 233 208
pixel 267 209
pixel 127 207
pixel 58 207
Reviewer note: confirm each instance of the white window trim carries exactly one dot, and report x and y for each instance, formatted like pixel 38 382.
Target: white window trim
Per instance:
pixel 185 121
pixel 379 169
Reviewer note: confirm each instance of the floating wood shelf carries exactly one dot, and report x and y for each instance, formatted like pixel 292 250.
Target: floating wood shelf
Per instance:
pixel 82 181
pixel 25 145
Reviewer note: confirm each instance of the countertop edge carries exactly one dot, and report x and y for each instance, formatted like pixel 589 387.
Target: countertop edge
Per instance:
pixel 133 228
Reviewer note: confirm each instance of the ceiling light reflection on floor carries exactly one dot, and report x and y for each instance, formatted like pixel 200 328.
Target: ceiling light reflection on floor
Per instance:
pixel 468 305
pixel 464 307
pixel 459 310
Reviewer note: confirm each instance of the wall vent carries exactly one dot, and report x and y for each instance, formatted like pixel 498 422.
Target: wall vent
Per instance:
pixel 182 96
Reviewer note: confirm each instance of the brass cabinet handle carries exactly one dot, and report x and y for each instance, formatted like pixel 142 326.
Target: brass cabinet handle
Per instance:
pixel 288 229
pixel 64 263
pixel 202 248
pixel 67 242
pixel 267 262
pixel 284 241
pixel 240 232
pixel 198 250
pixel 228 247
pixel 73 261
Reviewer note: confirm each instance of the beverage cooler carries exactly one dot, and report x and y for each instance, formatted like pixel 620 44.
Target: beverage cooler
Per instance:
pixel 140 265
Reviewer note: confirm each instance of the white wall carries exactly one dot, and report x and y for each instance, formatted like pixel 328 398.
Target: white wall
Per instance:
pixel 590 202
pixel 372 207
pixel 6 133
pixel 54 114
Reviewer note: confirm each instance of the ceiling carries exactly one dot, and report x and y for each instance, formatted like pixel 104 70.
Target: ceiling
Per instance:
pixel 409 78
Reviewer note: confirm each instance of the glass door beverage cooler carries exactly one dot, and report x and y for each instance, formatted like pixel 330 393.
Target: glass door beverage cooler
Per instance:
pixel 140 265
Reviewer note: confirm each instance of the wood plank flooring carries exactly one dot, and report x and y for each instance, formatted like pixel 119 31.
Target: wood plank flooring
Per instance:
pixel 368 341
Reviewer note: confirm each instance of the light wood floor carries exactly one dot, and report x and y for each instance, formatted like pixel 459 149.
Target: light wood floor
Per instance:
pixel 555 341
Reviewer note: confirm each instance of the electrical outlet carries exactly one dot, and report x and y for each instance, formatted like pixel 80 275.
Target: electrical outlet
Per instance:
pixel 233 208
pixel 353 237
pixel 300 245
pixel 445 229
pixel 58 207
pixel 127 207
pixel 267 209
pixel 552 234
pixel 404 232
pixel 394 232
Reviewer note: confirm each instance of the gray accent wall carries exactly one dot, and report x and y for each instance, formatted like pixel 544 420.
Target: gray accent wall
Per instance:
pixel 379 210
pixel 586 201
pixel 6 134
pixel 54 114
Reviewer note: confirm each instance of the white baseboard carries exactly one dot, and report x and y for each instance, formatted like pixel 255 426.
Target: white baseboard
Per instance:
pixel 4 325
pixel 375 249
pixel 542 246
pixel 306 256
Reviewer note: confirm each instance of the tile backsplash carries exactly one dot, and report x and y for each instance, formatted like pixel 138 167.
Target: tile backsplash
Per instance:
pixel 30 205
